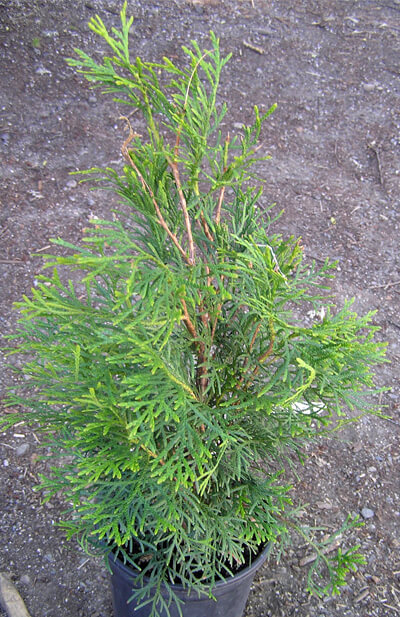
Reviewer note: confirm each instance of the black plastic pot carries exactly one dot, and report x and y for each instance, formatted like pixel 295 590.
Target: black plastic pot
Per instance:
pixel 231 595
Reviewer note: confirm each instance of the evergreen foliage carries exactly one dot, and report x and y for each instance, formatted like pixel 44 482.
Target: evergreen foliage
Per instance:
pixel 173 381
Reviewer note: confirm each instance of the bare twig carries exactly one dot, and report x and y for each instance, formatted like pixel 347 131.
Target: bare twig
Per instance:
pixel 393 608
pixel 44 248
pixel 258 50
pixel 361 596
pixel 17 262
pixel 219 206
pixel 385 285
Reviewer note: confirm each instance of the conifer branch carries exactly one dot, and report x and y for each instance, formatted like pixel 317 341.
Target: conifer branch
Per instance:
pixel 175 383
pixel 261 358
pixel 179 131
pixel 253 340
pixel 214 327
pixel 146 187
pixel 174 164
pixel 222 192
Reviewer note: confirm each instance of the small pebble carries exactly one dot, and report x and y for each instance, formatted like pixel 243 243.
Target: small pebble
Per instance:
pixel 41 70
pixel 22 449
pixel 6 463
pixel 25 580
pixel 71 184
pixel 367 513
pixel 369 87
pixel 238 125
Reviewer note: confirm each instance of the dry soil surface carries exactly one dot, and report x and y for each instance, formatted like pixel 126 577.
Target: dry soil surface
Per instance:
pixel 333 67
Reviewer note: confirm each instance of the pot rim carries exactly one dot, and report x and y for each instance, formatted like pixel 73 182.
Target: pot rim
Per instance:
pixel 226 582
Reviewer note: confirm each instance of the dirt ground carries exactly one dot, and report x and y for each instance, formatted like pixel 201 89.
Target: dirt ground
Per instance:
pixel 333 67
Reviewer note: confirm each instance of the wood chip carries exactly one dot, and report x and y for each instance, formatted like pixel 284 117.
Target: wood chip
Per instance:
pixel 10 600
pixel 324 505
pixel 364 594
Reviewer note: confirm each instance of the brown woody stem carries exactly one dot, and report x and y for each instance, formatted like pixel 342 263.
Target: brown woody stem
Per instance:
pixel 201 370
pixel 205 227
pixel 182 198
pixel 146 187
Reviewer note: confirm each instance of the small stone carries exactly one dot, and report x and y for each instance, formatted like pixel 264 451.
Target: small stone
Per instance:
pixel 22 449
pixel 367 513
pixel 369 87
pixel 41 70
pixel 50 33
pixel 71 184
pixel 5 463
pixel 92 99
pixel 238 125
pixel 49 557
pixel 25 580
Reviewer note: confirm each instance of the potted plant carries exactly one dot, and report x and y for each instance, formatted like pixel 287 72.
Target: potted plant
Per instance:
pixel 175 375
